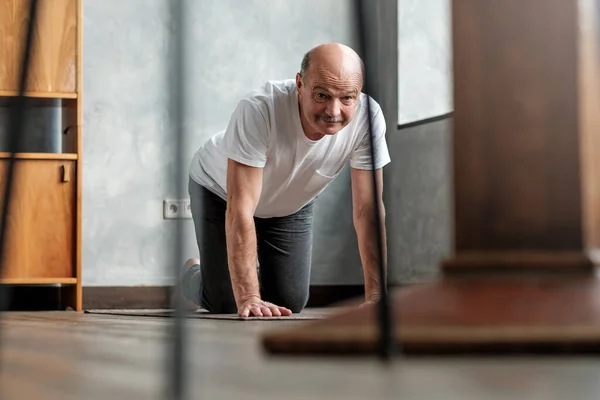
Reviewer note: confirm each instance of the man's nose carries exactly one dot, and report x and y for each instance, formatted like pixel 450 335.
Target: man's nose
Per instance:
pixel 334 108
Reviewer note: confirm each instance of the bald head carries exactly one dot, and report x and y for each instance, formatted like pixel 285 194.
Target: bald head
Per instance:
pixel 329 87
pixel 333 58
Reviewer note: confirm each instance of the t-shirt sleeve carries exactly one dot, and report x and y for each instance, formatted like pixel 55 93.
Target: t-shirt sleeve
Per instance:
pixel 361 157
pixel 246 137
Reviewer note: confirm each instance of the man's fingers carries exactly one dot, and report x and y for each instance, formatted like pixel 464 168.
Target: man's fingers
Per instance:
pixel 275 310
pixel 285 311
pixel 266 311
pixel 245 312
pixel 256 311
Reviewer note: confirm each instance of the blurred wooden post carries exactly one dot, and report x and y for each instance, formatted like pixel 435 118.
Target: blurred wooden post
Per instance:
pixel 526 166
pixel 526 137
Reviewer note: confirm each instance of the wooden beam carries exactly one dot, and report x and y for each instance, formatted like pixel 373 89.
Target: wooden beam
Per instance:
pixel 525 125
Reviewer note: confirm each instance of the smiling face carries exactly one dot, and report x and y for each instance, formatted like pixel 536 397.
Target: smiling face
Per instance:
pixel 328 92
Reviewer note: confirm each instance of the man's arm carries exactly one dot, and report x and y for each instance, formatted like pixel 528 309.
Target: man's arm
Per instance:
pixel 363 202
pixel 244 186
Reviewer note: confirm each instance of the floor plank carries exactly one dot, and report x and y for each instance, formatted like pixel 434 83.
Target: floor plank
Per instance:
pixel 68 355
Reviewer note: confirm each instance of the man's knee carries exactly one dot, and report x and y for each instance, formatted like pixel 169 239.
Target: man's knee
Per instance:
pixel 220 307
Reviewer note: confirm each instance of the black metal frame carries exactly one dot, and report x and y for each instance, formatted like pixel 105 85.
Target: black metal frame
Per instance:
pixel 175 369
pixel 387 343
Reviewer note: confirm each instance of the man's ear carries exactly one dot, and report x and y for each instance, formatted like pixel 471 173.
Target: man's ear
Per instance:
pixel 298 80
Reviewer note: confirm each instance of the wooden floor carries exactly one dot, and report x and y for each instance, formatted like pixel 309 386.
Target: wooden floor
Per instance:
pixel 68 355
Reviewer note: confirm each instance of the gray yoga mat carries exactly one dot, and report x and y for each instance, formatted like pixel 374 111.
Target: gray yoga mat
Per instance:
pixel 306 314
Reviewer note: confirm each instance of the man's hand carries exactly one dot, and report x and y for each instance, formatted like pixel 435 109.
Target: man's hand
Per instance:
pixel 254 306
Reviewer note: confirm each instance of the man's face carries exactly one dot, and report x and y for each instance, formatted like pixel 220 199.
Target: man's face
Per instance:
pixel 328 102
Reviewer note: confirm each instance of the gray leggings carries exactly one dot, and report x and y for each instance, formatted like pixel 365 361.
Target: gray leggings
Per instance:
pixel 284 249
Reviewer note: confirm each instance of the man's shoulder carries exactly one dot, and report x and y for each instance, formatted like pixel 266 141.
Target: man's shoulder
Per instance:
pixel 271 98
pixel 367 106
pixel 370 107
pixel 271 91
pixel 373 104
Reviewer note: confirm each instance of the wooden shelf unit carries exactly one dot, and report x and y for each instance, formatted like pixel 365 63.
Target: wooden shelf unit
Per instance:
pixel 43 236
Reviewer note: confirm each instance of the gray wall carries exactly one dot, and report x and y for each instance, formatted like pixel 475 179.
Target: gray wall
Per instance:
pixel 128 137
pixel 418 201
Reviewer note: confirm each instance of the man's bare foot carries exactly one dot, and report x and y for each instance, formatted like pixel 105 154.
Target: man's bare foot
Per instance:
pixel 177 294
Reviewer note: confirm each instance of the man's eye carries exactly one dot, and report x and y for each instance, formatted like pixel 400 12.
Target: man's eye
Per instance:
pixel 321 96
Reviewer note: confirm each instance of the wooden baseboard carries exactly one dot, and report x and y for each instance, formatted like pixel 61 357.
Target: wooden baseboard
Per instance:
pixel 126 297
pixel 155 297
pixel 325 295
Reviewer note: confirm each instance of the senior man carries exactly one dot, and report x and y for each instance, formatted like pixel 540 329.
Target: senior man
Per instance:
pixel 253 185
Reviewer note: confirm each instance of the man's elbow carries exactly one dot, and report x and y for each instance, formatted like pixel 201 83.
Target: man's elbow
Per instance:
pixel 239 215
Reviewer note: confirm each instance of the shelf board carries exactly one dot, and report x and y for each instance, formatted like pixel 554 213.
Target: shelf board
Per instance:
pixel 38 281
pixel 43 95
pixel 41 156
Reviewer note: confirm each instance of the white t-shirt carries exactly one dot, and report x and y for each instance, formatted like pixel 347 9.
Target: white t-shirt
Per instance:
pixel 265 131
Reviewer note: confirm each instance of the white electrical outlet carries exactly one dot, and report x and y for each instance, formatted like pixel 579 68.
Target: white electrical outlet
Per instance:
pixel 177 209
pixel 187 210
